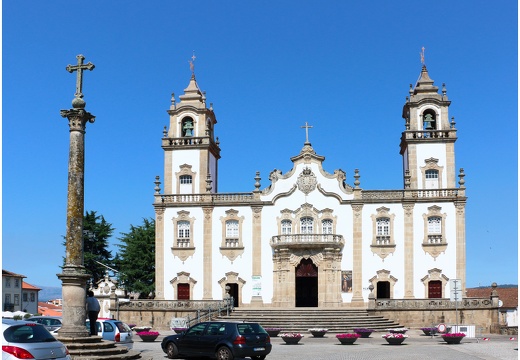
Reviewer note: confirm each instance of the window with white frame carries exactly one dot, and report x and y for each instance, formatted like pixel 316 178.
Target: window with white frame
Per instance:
pixel 183 233
pixel 383 231
pixel 306 225
pixel 16 283
pixel 7 298
pixel 434 229
pixel 232 233
pixel 33 297
pixel 326 226
pixel 24 297
pixel 286 227
pixel 431 179
pixel 185 179
pixel 16 299
pixel 8 282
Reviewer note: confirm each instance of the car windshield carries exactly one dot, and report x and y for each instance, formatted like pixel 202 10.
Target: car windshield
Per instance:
pixel 28 333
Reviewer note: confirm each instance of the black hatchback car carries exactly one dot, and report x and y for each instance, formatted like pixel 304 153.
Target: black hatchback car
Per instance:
pixel 221 340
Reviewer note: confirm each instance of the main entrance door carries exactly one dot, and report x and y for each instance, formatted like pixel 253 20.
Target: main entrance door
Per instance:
pixel 233 291
pixel 306 284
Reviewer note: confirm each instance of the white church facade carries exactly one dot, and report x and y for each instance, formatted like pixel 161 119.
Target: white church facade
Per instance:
pixel 310 239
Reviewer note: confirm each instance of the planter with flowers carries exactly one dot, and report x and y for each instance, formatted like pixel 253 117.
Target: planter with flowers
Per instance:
pixel 394 338
pixel 273 332
pixel 148 336
pixel 348 338
pixel 365 333
pixel 398 331
pixel 291 338
pixel 138 329
pixel 318 332
pixel 429 331
pixel 453 338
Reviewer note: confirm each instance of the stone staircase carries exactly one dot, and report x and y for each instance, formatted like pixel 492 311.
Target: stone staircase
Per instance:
pixel 94 348
pixel 303 319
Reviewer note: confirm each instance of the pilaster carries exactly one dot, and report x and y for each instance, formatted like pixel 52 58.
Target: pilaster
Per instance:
pixel 461 243
pixel 159 253
pixel 408 251
pixel 257 252
pixel 357 268
pixel 208 254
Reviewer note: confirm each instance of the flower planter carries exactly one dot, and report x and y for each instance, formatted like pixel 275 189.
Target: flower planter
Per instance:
pixel 318 333
pixel 148 338
pixel 452 339
pixel 291 340
pixel 429 331
pixel 398 331
pixel 273 332
pixel 395 341
pixel 364 334
pixel 347 341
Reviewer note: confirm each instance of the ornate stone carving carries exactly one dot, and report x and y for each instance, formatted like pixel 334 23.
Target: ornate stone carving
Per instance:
pixel 307 181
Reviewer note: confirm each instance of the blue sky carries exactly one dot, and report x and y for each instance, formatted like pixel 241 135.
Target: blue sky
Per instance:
pixel 267 67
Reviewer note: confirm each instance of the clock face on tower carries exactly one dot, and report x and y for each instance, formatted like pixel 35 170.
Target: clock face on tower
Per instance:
pixel 307 181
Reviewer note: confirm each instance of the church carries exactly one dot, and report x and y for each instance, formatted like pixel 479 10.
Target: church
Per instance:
pixel 309 238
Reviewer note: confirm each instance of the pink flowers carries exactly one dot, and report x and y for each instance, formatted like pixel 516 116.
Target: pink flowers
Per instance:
pixel 348 336
pixel 394 336
pixel 148 333
pixel 454 335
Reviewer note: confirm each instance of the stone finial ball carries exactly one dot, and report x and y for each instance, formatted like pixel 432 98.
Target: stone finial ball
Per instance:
pixel 78 103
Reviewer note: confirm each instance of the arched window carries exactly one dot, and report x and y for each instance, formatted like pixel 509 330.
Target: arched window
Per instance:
pixel 187 127
pixel 306 225
pixel 326 226
pixel 286 227
pixel 429 121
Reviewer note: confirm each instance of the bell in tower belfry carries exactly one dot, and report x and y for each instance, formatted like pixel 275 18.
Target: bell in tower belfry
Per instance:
pixel 429 122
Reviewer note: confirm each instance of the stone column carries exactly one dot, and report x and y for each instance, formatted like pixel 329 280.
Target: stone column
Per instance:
pixel 74 277
pixel 461 243
pixel 159 252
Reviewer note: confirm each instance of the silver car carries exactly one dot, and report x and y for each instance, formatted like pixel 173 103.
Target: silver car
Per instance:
pixel 114 330
pixel 51 323
pixel 30 340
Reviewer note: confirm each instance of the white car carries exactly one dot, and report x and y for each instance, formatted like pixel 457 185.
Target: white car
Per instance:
pixel 30 340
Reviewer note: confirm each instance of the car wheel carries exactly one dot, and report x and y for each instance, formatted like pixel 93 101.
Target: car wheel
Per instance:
pixel 258 357
pixel 223 353
pixel 171 350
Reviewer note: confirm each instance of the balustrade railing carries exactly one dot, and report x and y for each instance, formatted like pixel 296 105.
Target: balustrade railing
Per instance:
pixel 434 304
pixel 306 239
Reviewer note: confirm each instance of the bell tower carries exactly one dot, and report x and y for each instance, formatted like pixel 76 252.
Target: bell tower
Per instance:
pixel 191 153
pixel 428 142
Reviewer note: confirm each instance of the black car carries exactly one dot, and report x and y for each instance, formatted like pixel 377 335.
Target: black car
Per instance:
pixel 221 340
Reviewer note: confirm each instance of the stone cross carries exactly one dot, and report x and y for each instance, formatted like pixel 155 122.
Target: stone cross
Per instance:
pixel 79 77
pixel 307 127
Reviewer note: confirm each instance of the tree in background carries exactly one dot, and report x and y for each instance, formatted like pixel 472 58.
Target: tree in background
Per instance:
pixel 96 232
pixel 136 259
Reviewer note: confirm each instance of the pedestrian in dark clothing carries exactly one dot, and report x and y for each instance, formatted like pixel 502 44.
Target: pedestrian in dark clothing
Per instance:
pixel 92 311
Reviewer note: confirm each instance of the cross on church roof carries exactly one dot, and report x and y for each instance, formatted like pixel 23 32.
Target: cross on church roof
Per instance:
pixel 422 55
pixel 192 62
pixel 307 127
pixel 79 77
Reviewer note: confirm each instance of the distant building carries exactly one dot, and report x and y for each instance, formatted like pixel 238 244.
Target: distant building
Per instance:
pixel 30 298
pixel 12 291
pixel 508 300
pixel 50 309
pixel 309 238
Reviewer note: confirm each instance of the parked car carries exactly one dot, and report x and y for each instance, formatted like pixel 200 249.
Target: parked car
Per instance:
pixel 114 330
pixel 221 340
pixel 30 340
pixel 51 323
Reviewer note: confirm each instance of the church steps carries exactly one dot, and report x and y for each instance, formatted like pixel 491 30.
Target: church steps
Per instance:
pixel 300 320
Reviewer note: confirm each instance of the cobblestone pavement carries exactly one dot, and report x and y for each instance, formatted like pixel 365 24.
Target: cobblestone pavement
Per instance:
pixel 416 346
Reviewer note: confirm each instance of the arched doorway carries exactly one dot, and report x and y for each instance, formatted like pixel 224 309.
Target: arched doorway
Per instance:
pixel 383 290
pixel 233 291
pixel 306 284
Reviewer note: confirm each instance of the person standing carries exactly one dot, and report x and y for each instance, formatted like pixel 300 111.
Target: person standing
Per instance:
pixel 92 311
